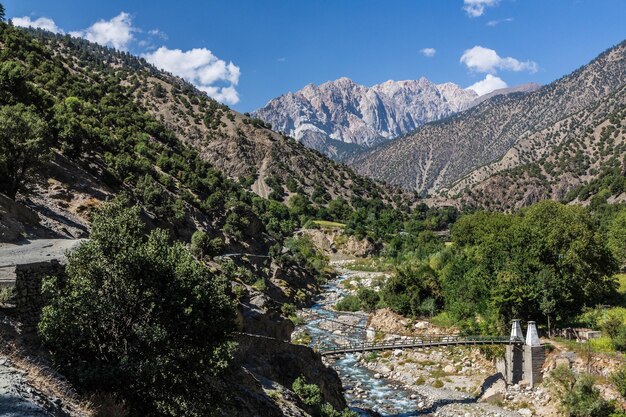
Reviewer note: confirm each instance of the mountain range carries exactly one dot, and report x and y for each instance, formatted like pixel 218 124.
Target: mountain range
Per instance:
pixel 453 155
pixel 340 116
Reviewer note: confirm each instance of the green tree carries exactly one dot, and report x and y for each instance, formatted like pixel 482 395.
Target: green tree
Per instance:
pixel 202 244
pixel 2 13
pixel 616 238
pixel 369 298
pixel 139 317
pixel 73 125
pixel 23 146
pixel 546 261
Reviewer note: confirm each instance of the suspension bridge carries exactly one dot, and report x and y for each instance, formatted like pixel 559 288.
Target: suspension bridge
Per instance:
pixel 523 360
pixel 425 341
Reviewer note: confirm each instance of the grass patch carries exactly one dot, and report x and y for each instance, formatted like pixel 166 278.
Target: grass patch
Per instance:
pixel 443 319
pixel 370 265
pixel 6 295
pixel 325 224
pixel 602 345
pixel 348 303
pixel 303 338
pixel 260 285
pixel 438 373
pixel 296 320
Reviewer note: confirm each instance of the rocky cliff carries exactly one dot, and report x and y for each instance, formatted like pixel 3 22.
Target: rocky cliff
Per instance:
pixel 341 116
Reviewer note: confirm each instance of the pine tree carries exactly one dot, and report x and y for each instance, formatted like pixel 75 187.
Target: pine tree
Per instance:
pixel 2 12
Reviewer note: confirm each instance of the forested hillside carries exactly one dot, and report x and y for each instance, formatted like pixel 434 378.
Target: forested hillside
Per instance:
pixel 96 143
pixel 581 159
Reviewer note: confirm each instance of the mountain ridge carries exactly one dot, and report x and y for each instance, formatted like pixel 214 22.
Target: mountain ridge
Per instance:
pixel 361 117
pixel 440 153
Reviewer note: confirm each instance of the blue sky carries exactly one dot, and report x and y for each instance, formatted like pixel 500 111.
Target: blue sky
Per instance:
pixel 247 52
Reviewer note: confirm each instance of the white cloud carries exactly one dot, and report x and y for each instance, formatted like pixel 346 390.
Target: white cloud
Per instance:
pixel 41 23
pixel 493 23
pixel 482 59
pixel 203 69
pixel 489 84
pixel 475 8
pixel 117 32
pixel 428 52
pixel 158 33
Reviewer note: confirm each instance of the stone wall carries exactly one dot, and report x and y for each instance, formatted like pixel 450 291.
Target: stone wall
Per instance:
pixel 29 299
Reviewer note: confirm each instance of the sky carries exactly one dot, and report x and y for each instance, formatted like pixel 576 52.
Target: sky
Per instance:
pixel 246 52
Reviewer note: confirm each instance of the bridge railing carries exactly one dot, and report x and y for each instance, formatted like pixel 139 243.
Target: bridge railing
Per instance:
pixel 422 341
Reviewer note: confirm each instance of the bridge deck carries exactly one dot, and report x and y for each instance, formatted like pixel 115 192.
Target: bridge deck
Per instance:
pixel 422 342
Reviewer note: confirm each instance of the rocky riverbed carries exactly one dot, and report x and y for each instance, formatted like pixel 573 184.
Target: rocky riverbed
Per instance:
pixel 439 382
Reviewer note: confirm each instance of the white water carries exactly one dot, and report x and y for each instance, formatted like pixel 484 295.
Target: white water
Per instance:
pixel 379 395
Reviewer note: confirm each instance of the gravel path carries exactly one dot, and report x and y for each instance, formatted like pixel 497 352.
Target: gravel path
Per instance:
pixel 33 251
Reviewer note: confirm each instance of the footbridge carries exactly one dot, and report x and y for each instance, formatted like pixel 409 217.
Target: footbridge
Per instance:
pixel 523 361
pixel 426 341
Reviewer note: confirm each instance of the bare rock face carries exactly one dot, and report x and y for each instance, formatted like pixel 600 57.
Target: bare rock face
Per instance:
pixel 358 247
pixel 342 112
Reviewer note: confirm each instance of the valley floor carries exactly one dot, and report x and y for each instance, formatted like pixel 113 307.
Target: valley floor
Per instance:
pixel 439 381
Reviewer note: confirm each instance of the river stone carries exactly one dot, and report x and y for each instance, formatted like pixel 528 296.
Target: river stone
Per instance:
pixel 449 369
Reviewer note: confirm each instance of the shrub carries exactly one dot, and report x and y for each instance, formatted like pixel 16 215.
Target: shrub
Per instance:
pixel 309 393
pixel 311 396
pixel 619 380
pixel 368 299
pixel 202 244
pixel 139 317
pixel 579 397
pixel 348 303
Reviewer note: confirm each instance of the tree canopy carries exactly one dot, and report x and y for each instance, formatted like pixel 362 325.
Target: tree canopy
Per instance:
pixel 22 146
pixel 544 263
pixel 139 316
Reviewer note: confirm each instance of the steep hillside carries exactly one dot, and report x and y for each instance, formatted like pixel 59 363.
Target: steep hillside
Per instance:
pixel 78 128
pixel 522 88
pixel 577 158
pixel 440 153
pixel 242 149
pixel 340 116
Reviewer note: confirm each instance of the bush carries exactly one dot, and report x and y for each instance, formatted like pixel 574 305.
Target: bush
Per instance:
pixel 579 397
pixel 368 298
pixel 348 303
pixel 619 380
pixel 311 396
pixel 309 393
pixel 139 317
pixel 202 245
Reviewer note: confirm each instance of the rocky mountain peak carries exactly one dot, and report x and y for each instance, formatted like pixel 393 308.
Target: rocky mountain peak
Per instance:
pixel 341 116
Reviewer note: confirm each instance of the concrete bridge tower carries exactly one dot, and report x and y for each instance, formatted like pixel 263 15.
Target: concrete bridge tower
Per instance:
pixel 514 356
pixel 534 356
pixel 524 357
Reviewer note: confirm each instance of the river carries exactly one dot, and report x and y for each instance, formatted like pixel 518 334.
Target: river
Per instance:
pixel 364 390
